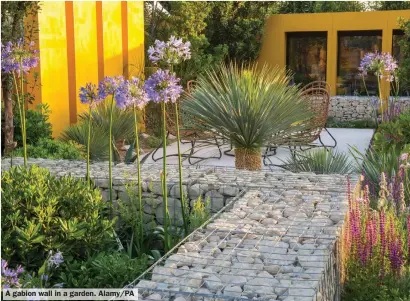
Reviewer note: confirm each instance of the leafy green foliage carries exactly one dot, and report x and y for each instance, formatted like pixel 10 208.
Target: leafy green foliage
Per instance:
pixel 247 105
pixel 103 270
pixel 395 133
pixel 320 161
pixel 123 128
pixel 356 124
pixel 373 163
pixel 364 285
pixel 42 212
pixel 52 149
pixel 38 126
pixel 403 72
pixel 297 7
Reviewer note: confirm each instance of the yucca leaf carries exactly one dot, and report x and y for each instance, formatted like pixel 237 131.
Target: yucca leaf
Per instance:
pixel 320 161
pixel 247 104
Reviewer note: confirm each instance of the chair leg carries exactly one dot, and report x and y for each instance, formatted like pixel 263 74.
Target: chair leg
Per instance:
pixel 267 154
pixel 227 151
pixel 158 147
pixel 333 138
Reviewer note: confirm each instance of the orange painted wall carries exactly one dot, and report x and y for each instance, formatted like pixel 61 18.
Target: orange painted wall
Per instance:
pixel 81 42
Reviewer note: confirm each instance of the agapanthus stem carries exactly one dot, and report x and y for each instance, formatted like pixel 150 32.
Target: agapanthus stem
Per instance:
pixel 164 176
pixel 23 112
pixel 88 145
pixel 380 96
pixel 137 149
pixel 181 192
pixel 21 108
pixel 110 151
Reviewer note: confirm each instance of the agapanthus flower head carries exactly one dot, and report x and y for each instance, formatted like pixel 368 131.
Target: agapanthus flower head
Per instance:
pixel 55 259
pixel 172 52
pixel 18 57
pixel 136 93
pixel 89 94
pixel 10 277
pixel 163 86
pixel 115 86
pixel 382 65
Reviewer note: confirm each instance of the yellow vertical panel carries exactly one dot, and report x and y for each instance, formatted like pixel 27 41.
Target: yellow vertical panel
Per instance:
pixel 53 57
pixel 85 36
pixel 135 15
pixel 112 37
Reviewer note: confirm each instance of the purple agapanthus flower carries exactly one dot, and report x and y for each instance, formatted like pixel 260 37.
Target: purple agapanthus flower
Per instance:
pixel 163 86
pixel 16 56
pixel 55 260
pixel 381 64
pixel 89 94
pixel 10 277
pixel 136 93
pixel 114 86
pixel 169 53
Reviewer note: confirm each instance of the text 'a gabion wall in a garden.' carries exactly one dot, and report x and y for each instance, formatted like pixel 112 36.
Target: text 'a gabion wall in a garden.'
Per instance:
pixel 350 108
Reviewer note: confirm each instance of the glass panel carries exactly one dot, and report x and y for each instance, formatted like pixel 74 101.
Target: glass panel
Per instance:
pixel 306 56
pixel 398 35
pixel 352 46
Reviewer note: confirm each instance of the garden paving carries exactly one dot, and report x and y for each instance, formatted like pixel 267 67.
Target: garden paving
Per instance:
pixel 344 137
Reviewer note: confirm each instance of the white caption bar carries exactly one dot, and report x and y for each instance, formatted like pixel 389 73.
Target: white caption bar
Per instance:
pixel 70 294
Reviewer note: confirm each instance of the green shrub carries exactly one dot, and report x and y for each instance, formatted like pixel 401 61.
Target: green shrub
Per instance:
pixel 394 133
pixel 42 212
pixel 52 149
pixel 356 124
pixel 38 126
pixel 103 270
pixel 320 162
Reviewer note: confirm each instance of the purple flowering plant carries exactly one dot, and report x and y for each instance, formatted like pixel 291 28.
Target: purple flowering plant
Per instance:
pixel 169 53
pixel 9 276
pixel 163 87
pixel 377 241
pixel 384 67
pixel 44 276
pixel 17 59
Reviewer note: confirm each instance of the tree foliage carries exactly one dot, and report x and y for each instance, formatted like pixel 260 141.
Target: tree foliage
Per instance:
pixel 404 66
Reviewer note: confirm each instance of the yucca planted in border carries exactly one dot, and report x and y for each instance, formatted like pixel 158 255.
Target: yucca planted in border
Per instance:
pixel 247 104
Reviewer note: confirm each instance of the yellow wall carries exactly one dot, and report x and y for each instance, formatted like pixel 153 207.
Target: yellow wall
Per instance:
pixel 273 49
pixel 81 42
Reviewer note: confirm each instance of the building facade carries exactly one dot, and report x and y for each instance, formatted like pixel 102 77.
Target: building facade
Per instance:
pixel 82 42
pixel 330 46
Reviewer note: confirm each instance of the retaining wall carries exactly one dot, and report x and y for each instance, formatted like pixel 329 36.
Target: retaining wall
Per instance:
pixel 349 108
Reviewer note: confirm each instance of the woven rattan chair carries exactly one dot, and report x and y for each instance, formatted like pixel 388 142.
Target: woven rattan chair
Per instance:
pixel 190 131
pixel 318 97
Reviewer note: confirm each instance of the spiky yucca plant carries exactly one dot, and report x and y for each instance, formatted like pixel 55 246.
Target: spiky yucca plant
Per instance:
pixel 247 104
pixel 320 162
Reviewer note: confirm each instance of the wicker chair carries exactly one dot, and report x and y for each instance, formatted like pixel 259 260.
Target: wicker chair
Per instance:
pixel 318 97
pixel 190 131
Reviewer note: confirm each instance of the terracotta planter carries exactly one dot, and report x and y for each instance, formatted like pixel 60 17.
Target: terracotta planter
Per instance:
pixel 249 159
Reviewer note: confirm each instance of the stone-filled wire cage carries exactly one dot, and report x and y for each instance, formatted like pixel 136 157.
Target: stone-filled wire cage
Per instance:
pixel 276 239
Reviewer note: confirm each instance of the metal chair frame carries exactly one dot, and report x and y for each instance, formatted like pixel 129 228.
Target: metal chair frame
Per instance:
pixel 318 95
